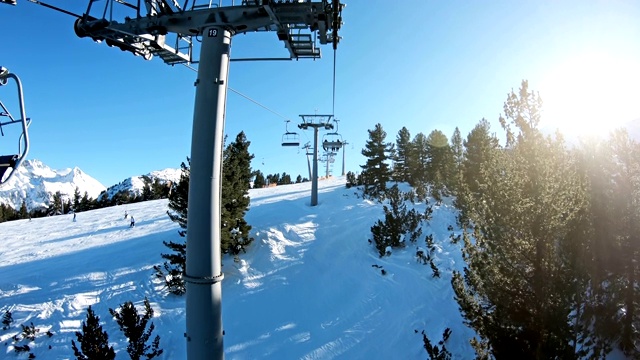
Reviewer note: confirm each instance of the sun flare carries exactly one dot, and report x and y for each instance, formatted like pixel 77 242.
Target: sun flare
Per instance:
pixel 591 95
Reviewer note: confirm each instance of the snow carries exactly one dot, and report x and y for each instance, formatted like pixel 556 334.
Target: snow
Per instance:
pixel 307 287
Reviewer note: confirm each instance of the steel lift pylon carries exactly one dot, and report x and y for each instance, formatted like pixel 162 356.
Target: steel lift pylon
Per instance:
pixel 316 122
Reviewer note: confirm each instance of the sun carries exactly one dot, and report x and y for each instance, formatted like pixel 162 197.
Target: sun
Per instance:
pixel 590 95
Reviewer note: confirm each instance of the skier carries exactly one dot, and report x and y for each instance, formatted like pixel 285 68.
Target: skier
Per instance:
pixel 133 222
pixel 125 214
pixel 74 216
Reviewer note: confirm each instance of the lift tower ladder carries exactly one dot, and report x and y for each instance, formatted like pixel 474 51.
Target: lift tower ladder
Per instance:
pixel 214 25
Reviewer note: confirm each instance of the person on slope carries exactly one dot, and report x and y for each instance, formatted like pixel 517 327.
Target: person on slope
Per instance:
pixel 133 222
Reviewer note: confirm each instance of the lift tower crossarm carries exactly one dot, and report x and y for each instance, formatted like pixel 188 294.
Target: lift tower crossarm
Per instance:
pixel 136 34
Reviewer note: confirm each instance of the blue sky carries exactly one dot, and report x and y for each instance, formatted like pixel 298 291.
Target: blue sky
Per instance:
pixel 421 64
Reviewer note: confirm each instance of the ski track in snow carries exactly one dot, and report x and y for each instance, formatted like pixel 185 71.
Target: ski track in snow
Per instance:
pixel 305 289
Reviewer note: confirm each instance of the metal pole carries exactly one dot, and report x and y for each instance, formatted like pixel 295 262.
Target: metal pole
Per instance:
pixel 344 145
pixel 314 180
pixel 203 273
pixel 309 164
pixel 327 171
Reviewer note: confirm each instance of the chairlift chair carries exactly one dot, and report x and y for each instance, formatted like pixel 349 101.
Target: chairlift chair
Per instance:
pixel 290 138
pixel 332 141
pixel 13 161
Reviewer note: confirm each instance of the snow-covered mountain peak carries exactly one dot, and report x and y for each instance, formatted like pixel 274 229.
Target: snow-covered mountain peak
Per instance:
pixel 35 183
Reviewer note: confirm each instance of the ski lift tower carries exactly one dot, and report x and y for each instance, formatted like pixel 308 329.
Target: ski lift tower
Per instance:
pixel 316 122
pixel 299 24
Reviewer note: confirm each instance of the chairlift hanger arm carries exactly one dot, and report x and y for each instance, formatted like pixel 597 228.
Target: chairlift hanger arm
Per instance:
pixel 13 161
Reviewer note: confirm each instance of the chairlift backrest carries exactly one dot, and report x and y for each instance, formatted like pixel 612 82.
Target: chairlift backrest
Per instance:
pixel 13 161
pixel 290 138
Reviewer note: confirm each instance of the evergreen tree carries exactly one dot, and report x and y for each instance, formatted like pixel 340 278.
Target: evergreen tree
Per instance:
pixel 440 166
pixel 480 147
pixel 7 319
pixel 236 175
pixel 298 179
pixel 351 179
pixel 86 203
pixel 134 328
pixel 147 193
pixel 76 199
pixel 401 157
pixel 399 223
pixel 418 160
pixel 519 289
pixel 94 343
pixel 235 232
pixel 56 205
pixel 24 213
pixel 613 170
pixel 259 181
pixel 376 171
pixel 103 200
pixel 457 152
pixel 273 179
pixel 285 179
pixel 175 264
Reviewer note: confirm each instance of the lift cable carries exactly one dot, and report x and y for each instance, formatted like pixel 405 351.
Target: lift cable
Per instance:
pixel 56 8
pixel 252 100
pixel 257 103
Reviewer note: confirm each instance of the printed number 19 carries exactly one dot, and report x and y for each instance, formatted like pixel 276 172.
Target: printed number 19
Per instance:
pixel 213 32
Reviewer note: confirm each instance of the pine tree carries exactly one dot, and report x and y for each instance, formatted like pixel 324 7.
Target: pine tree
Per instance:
pixel 259 181
pixel 519 287
pixel 55 207
pixel 480 147
pixel 457 152
pixel 401 157
pixel 134 328
pixel 86 203
pixel 285 179
pixel 376 171
pixel 24 213
pixel 298 179
pixel 236 175
pixel 235 232
pixel 399 223
pixel 625 215
pixel 94 343
pixel 418 160
pixel 7 319
pixel 76 199
pixel 174 267
pixel 440 166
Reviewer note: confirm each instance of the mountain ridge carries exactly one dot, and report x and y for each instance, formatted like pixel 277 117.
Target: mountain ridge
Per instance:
pixel 35 183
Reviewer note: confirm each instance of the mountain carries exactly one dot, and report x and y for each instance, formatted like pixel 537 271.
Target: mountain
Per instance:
pixel 135 184
pixel 36 183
